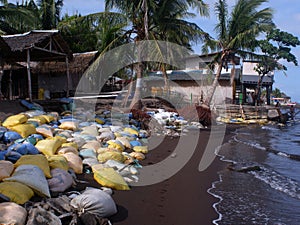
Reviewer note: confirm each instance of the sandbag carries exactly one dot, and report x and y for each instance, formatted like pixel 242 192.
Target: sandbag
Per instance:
pixel 72 144
pixel 61 180
pixel 24 148
pixel 33 177
pixel 69 125
pixel 74 162
pixel 63 150
pixel 40 119
pixel 16 191
pixel 45 131
pixel 116 145
pixel 14 120
pixel 24 130
pixel 90 130
pixel 125 142
pixel 58 161
pixel 106 155
pixel 142 149
pixel 92 145
pixel 40 216
pixel 137 155
pixel 37 160
pixel 94 201
pixel 131 131
pixel 106 136
pixel 88 153
pixel 108 177
pixel 49 146
pixel 6 169
pixel 12 214
pixel 11 136
pixel 135 143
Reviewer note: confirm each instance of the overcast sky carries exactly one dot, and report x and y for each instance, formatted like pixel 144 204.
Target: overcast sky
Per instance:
pixel 286 17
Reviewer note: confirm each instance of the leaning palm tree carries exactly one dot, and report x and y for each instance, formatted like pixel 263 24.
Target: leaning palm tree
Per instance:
pixel 237 33
pixel 146 21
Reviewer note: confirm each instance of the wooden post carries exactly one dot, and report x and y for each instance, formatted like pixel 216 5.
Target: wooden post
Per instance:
pixel 10 85
pixel 1 75
pixel 29 75
pixel 68 77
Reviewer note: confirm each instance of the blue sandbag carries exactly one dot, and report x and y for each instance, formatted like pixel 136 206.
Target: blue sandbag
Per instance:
pixel 11 136
pixel 2 154
pixel 2 131
pixel 135 143
pixel 18 147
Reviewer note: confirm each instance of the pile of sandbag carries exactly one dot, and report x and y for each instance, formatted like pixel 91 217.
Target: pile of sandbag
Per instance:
pixel 41 153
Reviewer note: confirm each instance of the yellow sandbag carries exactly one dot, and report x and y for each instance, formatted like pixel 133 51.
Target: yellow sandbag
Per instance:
pixel 72 144
pixel 142 149
pixel 49 146
pixel 58 161
pixel 48 118
pixel 74 162
pixel 104 156
pixel 131 131
pixel 6 169
pixel 16 191
pixel 24 130
pixel 69 125
pixel 40 119
pixel 100 121
pixel 15 120
pixel 116 145
pixel 108 177
pixel 37 160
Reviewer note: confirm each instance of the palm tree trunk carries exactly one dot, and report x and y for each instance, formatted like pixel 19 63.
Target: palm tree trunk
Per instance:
pixel 215 83
pixel 137 94
pixel 166 80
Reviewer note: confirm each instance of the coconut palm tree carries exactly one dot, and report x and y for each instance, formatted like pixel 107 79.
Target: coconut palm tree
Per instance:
pixel 15 18
pixel 50 13
pixel 237 33
pixel 157 20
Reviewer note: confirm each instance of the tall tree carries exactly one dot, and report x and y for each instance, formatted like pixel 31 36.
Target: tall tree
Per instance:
pixel 50 13
pixel 237 33
pixel 146 22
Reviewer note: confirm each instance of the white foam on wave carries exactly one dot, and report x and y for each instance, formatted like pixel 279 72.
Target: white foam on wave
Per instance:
pixel 250 143
pixel 269 128
pixel 278 182
pixel 283 154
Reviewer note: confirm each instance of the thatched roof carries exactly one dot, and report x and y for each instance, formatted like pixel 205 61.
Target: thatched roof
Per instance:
pixel 44 45
pixel 80 62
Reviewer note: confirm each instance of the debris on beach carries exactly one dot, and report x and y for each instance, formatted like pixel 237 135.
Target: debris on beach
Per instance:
pixel 42 154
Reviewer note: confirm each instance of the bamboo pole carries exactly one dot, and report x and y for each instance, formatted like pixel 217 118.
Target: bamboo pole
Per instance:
pixel 29 75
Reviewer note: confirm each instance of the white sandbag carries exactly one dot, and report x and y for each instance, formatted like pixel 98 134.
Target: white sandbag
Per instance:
pixel 90 130
pixel 33 177
pixel 106 136
pixel 94 201
pixel 74 161
pixel 6 169
pixel 12 213
pixel 61 180
pixel 90 161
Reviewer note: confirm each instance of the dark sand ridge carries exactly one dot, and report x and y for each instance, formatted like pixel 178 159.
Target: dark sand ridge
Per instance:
pixel 180 200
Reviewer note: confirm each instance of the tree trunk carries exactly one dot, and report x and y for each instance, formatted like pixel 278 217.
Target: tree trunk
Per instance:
pixel 215 83
pixel 1 75
pixel 137 94
pixel 166 79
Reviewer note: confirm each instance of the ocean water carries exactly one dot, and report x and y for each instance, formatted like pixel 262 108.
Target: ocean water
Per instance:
pixel 270 195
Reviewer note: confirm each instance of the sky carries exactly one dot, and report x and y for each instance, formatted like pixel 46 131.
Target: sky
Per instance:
pixel 286 18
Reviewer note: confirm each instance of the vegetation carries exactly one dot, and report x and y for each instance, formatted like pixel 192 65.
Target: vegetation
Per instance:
pixel 237 33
